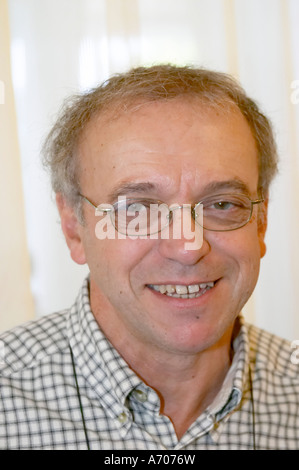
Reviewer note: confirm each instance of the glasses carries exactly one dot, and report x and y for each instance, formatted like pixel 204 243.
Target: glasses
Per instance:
pixel 145 217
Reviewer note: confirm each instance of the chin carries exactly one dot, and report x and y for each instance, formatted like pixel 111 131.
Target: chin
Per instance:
pixel 199 336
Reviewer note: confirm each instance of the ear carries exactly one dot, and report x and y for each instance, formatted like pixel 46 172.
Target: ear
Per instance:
pixel 72 229
pixel 262 226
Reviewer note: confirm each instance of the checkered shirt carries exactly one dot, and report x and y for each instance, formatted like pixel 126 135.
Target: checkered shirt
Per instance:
pixel 40 393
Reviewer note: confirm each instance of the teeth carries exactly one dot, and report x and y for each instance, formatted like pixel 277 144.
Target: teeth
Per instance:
pixel 207 284
pixel 157 288
pixel 182 291
pixel 162 289
pixel 170 289
pixel 193 289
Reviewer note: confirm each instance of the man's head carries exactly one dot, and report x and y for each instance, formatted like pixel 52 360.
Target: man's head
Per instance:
pixel 178 136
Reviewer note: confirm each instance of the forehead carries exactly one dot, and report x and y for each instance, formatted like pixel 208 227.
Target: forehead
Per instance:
pixel 170 145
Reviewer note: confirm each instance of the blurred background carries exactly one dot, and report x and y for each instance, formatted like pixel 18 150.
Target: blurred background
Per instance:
pixel 50 49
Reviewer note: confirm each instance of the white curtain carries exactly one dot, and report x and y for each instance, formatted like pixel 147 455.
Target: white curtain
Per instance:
pixel 62 46
pixel 16 303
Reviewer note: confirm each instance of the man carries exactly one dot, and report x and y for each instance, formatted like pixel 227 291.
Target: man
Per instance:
pixel 155 353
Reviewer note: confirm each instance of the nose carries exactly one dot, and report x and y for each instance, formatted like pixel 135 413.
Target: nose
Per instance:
pixel 183 240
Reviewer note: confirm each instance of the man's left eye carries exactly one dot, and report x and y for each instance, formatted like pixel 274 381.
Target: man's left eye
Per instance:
pixel 223 205
pixel 136 207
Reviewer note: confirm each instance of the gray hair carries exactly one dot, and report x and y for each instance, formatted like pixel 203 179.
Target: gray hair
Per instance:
pixel 148 84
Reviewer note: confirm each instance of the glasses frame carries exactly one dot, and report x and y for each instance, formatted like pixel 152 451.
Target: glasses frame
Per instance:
pixel 193 211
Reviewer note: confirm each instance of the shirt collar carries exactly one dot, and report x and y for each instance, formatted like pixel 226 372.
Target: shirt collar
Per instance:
pixel 236 380
pixel 101 365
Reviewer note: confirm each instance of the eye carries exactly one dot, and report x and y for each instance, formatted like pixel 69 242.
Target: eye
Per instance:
pixel 137 206
pixel 226 203
pixel 223 205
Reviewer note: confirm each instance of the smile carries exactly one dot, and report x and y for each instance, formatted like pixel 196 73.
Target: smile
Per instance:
pixel 182 291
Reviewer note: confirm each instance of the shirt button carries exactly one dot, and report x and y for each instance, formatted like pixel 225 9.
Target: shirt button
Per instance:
pixel 122 418
pixel 140 396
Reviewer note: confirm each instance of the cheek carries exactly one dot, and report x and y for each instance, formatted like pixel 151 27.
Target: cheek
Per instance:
pixel 246 261
pixel 116 260
pixel 249 272
pixel 241 252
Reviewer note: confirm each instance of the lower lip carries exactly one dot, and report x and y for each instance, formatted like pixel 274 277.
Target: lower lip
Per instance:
pixel 177 301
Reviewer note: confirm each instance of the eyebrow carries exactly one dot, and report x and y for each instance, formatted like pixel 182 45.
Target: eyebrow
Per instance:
pixel 234 184
pixel 130 187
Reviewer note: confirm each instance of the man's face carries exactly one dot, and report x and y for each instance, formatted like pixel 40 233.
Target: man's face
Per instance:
pixel 183 153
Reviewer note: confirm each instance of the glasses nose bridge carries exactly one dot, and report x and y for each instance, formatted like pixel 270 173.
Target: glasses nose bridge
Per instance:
pixel 190 207
pixel 175 207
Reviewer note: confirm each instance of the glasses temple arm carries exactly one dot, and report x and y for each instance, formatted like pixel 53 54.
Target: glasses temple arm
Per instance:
pixel 87 200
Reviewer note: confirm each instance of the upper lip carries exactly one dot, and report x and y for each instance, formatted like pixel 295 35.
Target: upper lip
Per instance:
pixel 182 283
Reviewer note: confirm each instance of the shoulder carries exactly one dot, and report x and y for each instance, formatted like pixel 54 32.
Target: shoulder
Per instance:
pixel 272 354
pixel 27 345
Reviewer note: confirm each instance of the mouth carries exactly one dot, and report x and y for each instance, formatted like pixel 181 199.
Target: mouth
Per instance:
pixel 183 291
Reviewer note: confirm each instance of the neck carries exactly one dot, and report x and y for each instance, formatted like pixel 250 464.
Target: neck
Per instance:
pixel 185 384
